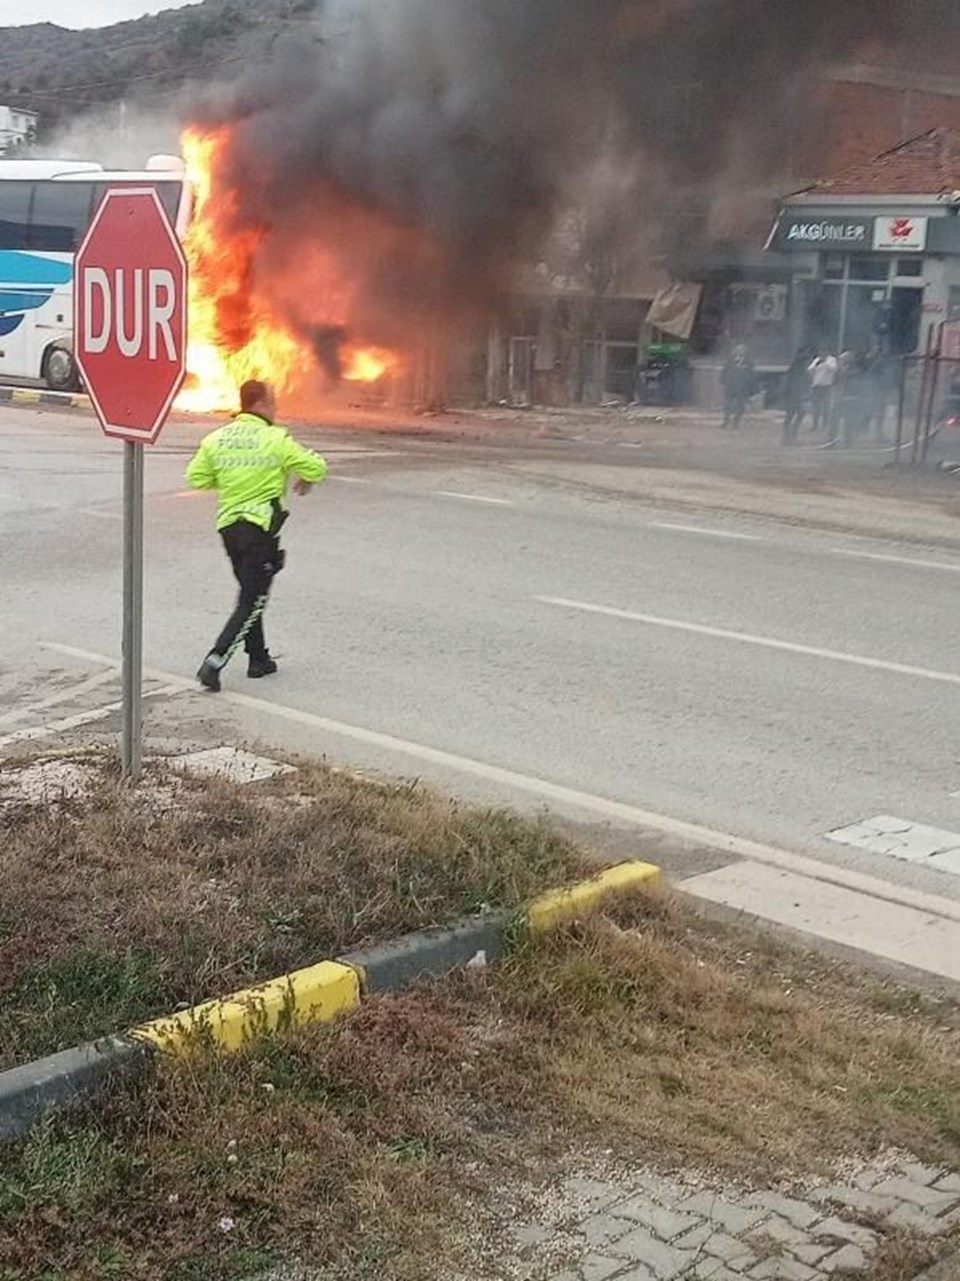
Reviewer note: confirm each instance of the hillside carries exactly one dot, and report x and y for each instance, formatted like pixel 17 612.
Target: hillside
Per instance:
pixel 61 73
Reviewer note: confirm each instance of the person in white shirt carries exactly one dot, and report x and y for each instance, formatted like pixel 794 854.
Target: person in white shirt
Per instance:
pixel 823 375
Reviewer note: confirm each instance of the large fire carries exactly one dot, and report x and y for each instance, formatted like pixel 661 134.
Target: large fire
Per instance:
pixel 234 333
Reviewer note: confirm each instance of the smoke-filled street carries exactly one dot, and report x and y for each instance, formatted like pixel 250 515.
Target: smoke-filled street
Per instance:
pixel 510 620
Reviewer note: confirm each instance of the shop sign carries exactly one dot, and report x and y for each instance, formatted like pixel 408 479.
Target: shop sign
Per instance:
pixel 805 232
pixel 903 235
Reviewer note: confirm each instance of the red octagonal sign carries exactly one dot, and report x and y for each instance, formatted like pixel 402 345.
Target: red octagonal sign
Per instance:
pixel 130 313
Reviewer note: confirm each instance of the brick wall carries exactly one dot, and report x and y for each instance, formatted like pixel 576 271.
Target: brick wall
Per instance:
pixel 854 122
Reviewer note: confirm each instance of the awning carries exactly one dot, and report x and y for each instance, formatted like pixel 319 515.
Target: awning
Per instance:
pixel 674 309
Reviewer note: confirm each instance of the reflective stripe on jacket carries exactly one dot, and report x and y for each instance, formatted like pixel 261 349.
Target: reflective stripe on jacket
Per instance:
pixel 249 462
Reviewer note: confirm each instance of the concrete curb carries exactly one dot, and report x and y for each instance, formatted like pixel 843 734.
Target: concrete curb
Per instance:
pixel 65 1079
pixel 31 396
pixel 319 994
pixel 398 965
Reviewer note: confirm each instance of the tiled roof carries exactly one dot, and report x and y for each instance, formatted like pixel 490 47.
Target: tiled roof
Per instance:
pixel 926 165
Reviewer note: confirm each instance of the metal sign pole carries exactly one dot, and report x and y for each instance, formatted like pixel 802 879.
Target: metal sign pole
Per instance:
pixel 131 745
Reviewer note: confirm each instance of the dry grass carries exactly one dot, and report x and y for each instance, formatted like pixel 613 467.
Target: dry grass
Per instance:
pixel 374 1146
pixel 120 905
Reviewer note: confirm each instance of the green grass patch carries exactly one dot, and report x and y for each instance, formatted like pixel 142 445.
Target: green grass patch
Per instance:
pixel 374 1148
pixel 124 905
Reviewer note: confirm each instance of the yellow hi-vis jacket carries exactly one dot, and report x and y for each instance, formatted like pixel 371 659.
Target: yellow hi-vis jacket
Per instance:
pixel 249 462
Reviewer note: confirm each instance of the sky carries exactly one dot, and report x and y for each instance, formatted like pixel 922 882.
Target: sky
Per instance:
pixel 80 13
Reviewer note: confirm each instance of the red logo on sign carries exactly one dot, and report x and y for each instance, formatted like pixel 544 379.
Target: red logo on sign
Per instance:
pixel 130 311
pixel 901 229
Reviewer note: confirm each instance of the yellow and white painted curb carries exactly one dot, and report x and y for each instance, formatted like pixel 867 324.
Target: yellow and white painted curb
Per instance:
pixel 325 991
pixel 316 995
pixel 38 396
pixel 558 907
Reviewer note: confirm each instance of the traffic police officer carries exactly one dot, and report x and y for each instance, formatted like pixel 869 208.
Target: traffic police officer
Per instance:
pixel 249 462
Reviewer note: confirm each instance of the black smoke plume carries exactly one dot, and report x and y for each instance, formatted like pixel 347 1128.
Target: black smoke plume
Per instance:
pixel 428 145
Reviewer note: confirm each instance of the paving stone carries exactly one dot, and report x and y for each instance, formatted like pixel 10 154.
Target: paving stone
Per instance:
pixel 950 1183
pixel 663 1190
pixel 231 763
pixel 868 1179
pixel 851 1258
pixel 799 1213
pixel 664 1223
pixel 781 1231
pixel 706 1269
pixel 848 1233
pixel 855 1199
pixel 718 1247
pixel 912 1219
pixel 643 1273
pixel 782 1270
pixel 595 1267
pixel 723 1273
pixel 726 1214
pixel 601 1229
pixel 737 1254
pixel 917 1194
pixel 916 1172
pixel 696 1238
pixel 811 1254
pixel 665 1261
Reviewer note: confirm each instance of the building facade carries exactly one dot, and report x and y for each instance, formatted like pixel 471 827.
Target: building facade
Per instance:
pixel 16 128
pixel 874 252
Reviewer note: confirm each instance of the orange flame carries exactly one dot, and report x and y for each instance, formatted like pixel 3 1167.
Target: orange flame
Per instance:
pixel 234 334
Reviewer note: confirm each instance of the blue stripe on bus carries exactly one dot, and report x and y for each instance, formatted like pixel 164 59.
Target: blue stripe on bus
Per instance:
pixel 28 269
pixel 20 300
pixel 9 323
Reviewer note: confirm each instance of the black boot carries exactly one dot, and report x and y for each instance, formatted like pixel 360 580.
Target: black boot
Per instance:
pixel 209 676
pixel 257 668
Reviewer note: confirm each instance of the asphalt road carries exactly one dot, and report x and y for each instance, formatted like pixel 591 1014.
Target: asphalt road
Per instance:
pixel 452 613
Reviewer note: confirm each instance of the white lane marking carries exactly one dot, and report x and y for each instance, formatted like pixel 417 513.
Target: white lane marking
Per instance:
pixel 903 839
pixel 747 638
pixel 61 696
pixel 351 480
pixel 706 533
pixel 81 718
pixel 544 790
pixel 474 498
pixel 896 560
pixel 838 915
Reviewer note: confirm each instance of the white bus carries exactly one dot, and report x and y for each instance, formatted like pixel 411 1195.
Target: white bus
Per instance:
pixel 46 207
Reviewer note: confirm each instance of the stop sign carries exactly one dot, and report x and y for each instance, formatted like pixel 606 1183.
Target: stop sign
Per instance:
pixel 130 314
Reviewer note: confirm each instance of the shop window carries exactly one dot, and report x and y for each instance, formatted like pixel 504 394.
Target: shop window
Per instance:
pixel 866 318
pixel 834 267
pixel 873 269
pixel 909 267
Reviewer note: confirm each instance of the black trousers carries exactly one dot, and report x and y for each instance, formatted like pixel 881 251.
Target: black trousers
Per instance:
pixel 256 558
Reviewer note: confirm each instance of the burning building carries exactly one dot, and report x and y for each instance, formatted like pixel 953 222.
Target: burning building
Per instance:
pixel 411 176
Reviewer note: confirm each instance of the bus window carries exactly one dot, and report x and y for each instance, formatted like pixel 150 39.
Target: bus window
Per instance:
pixel 14 214
pixel 169 194
pixel 61 216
